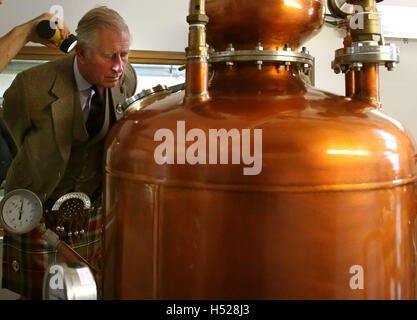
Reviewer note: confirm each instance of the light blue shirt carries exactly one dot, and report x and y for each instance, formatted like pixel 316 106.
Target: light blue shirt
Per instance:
pixel 84 87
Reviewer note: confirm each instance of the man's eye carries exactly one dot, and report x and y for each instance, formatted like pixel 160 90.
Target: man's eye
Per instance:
pixel 111 56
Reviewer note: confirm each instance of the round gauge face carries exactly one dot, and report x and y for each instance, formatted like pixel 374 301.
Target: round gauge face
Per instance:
pixel 340 8
pixel 21 211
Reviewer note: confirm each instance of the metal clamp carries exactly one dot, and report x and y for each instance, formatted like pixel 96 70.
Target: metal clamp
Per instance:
pixel 365 52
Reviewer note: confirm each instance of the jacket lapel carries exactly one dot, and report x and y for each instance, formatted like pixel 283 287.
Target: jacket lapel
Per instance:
pixel 65 90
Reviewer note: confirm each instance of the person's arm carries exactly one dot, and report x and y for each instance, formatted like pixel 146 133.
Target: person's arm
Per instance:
pixel 13 41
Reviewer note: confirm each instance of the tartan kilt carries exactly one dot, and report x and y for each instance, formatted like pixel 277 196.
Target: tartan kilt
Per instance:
pixel 26 257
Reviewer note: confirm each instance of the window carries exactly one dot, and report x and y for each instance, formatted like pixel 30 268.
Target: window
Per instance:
pixel 150 75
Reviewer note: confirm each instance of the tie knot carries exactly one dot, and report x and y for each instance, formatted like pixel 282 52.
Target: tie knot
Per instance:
pixel 97 94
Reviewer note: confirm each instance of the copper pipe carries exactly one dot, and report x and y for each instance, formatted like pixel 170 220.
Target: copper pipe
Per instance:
pixel 367 83
pixel 363 82
pixel 196 83
pixel 350 83
pixel 350 74
pixel 196 90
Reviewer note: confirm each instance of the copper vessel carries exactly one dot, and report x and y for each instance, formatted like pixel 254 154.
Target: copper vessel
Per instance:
pixel 331 215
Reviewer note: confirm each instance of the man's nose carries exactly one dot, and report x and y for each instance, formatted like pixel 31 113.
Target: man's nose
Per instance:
pixel 117 65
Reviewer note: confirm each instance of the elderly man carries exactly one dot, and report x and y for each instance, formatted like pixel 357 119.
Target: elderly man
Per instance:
pixel 59 114
pixel 10 44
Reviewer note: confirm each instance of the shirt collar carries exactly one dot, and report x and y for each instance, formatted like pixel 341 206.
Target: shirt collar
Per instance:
pixel 82 84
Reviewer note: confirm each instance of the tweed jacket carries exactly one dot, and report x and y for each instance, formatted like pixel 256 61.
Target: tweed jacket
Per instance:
pixel 39 113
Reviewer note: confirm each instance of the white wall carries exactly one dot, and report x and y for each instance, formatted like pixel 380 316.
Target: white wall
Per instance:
pixel 155 24
pixel 398 88
pixel 160 25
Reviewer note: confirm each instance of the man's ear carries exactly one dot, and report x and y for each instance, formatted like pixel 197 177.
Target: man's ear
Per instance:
pixel 81 53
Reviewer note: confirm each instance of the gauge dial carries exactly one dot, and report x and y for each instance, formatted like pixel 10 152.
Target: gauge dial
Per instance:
pixel 21 211
pixel 339 8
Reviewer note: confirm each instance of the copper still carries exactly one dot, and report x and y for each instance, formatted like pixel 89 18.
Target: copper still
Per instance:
pixel 330 215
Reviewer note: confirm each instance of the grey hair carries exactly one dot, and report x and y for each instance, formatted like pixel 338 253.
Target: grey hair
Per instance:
pixel 96 19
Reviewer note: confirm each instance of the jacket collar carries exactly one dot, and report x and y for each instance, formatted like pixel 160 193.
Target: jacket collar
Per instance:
pixel 82 84
pixel 64 83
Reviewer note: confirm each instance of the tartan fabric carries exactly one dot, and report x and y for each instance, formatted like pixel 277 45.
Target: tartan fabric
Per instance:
pixel 26 257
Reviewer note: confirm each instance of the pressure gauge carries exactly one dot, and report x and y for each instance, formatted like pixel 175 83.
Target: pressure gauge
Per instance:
pixel 340 8
pixel 20 211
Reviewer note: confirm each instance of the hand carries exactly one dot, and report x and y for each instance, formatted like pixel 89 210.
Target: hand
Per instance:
pixel 31 34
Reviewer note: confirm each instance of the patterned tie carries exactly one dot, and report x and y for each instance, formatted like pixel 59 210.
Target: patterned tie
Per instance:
pixel 95 118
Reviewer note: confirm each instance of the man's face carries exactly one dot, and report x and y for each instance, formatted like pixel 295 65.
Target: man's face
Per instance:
pixel 105 64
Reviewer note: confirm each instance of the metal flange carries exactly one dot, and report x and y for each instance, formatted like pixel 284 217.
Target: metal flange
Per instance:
pixel 144 97
pixel 261 56
pixel 365 52
pixel 147 93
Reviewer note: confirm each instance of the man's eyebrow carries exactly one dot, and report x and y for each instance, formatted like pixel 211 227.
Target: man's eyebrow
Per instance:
pixel 108 53
pixel 117 51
